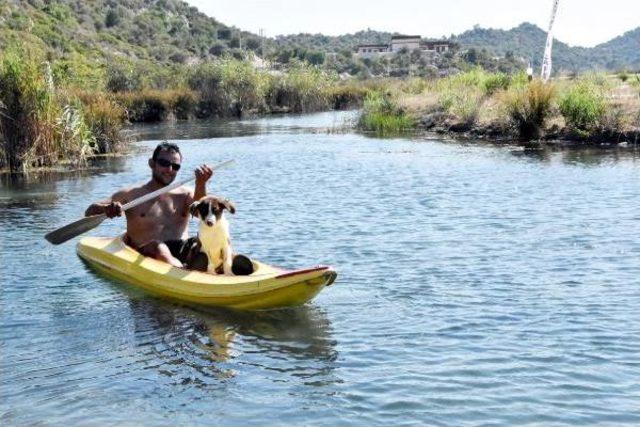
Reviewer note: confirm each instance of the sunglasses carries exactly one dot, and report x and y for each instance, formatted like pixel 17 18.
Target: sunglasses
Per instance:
pixel 166 163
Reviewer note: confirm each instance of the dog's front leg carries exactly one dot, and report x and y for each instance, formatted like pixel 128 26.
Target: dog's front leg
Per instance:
pixel 228 261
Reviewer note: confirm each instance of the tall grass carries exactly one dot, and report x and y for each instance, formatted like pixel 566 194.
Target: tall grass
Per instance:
pixel 529 106
pixel 347 95
pixel 28 115
pixel 381 115
pixel 462 94
pixel 105 117
pixel 229 87
pixel 303 88
pixel 41 125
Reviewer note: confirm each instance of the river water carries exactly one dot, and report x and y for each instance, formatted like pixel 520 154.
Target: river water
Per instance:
pixel 478 285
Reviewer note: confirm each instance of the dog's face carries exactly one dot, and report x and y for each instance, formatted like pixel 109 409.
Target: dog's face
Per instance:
pixel 209 209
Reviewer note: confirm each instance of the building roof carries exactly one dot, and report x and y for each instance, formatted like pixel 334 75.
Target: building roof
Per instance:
pixel 373 45
pixel 437 42
pixel 404 37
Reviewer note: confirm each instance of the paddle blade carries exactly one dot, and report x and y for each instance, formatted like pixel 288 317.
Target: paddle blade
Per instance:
pixel 74 229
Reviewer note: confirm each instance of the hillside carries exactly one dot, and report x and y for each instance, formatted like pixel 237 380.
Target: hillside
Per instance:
pixel 526 41
pixel 172 32
pixel 157 30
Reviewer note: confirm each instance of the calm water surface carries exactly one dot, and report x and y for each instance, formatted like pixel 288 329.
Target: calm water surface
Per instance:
pixel 478 285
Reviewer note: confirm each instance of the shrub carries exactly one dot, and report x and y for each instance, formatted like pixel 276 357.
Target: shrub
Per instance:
pixel 112 18
pixel 121 77
pixel 623 75
pixel 528 107
pixel 157 105
pixel 144 106
pixel 583 105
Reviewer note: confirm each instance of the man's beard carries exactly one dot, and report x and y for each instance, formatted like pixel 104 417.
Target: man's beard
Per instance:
pixel 163 180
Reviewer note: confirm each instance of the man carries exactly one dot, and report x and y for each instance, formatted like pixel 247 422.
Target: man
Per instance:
pixel 158 228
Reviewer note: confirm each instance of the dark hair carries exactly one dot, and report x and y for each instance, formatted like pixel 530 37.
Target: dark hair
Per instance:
pixel 165 146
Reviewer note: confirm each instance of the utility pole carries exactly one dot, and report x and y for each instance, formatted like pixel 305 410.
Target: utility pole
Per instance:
pixel 261 34
pixel 545 73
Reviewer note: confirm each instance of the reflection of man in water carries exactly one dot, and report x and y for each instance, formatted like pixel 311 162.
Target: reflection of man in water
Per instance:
pixel 158 228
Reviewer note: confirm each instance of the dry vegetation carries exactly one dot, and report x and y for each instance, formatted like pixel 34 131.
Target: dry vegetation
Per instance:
pixel 587 107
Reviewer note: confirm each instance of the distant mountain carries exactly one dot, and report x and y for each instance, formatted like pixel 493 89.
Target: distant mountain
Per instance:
pixel 172 31
pixel 621 52
pixel 528 41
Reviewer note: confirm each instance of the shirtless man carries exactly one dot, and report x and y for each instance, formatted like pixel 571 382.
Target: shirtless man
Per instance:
pixel 158 228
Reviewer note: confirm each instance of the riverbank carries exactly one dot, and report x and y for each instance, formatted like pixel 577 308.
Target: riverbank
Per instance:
pixel 48 119
pixel 589 109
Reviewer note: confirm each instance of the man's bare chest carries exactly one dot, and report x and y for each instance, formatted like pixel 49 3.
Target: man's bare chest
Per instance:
pixel 165 209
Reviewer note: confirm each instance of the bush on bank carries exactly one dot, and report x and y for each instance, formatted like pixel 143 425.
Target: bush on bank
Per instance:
pixel 583 105
pixel 529 106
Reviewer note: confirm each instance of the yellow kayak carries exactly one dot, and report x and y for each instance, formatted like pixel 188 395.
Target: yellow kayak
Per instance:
pixel 266 288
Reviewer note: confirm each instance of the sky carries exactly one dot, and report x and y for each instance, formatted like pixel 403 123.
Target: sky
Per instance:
pixel 578 23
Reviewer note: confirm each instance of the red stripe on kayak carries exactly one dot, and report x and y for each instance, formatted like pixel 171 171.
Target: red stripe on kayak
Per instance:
pixel 303 271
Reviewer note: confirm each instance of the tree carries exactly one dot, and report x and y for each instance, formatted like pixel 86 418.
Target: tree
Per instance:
pixel 224 33
pixel 217 49
pixel 112 18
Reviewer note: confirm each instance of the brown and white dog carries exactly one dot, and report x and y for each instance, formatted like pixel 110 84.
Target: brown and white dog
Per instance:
pixel 213 233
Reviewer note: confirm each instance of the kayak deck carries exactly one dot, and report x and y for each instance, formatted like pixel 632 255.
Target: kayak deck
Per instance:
pixel 267 287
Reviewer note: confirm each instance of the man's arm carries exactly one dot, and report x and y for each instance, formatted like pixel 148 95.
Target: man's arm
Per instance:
pixel 111 207
pixel 203 174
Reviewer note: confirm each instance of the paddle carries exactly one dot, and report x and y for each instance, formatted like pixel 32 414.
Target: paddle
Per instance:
pixel 87 223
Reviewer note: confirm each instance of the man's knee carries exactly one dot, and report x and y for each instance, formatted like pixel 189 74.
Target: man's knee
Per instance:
pixel 155 248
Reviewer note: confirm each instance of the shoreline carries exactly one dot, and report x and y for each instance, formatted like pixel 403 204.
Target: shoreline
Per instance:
pixel 448 131
pixel 555 136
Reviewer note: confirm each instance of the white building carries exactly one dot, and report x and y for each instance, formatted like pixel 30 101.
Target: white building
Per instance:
pixel 398 43
pixel 367 50
pixel 405 42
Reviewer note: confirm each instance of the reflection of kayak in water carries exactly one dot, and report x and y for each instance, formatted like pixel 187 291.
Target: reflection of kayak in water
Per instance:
pixel 267 287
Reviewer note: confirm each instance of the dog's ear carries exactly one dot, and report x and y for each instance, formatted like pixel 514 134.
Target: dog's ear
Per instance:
pixel 193 209
pixel 230 207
